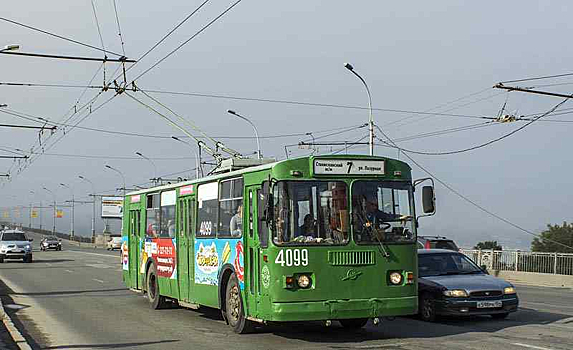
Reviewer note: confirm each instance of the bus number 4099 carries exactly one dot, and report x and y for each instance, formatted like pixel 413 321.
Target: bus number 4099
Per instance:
pixel 292 257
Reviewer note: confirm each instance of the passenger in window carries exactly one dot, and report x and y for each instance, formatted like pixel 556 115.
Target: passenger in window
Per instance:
pixel 236 224
pixel 308 227
pixel 171 228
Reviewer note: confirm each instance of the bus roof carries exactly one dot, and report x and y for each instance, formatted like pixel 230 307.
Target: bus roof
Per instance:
pixel 256 168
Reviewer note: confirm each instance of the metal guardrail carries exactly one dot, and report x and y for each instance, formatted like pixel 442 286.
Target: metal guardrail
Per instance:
pixel 523 261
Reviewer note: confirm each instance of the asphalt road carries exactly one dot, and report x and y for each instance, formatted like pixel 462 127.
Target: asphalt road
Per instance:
pixel 75 299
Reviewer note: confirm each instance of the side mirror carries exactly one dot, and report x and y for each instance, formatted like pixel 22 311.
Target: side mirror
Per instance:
pixel 30 239
pixel 428 199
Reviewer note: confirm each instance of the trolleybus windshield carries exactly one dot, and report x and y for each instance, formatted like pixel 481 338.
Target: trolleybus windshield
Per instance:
pixel 310 212
pixel 382 212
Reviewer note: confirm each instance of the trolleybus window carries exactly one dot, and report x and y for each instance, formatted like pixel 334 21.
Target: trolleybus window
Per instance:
pixel 231 208
pixel 310 212
pixel 153 215
pixel 167 214
pixel 382 212
pixel 208 201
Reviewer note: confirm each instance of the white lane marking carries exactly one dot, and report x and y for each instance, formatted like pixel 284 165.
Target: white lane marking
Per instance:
pixel 531 346
pixel 48 264
pixel 99 266
pixel 70 271
pixel 545 304
pixel 100 281
pixel 106 255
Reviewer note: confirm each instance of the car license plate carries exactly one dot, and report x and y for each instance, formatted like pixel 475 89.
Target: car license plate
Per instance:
pixel 488 304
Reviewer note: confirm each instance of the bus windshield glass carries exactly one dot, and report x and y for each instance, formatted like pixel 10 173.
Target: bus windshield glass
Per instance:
pixel 310 213
pixel 382 212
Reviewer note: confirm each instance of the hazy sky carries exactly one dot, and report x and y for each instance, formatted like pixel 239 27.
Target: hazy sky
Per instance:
pixel 416 56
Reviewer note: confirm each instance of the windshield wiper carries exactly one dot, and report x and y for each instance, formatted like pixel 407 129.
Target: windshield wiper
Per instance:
pixel 385 254
pixel 469 272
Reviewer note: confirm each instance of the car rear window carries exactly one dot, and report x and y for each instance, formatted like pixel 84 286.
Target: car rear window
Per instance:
pixel 443 245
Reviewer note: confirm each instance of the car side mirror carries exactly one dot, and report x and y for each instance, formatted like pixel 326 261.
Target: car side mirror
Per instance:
pixel 30 239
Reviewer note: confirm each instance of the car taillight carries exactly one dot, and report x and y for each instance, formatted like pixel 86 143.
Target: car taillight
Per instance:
pixel 427 245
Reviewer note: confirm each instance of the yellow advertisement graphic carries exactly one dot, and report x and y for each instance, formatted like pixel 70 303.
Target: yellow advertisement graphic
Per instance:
pixel 34 213
pixel 59 213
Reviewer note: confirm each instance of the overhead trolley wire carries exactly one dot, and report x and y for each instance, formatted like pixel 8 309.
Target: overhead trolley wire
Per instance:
pixel 191 38
pixel 60 37
pixel 118 27
pixel 453 190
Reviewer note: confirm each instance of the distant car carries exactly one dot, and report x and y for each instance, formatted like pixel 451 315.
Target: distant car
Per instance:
pixel 51 242
pixel 15 245
pixel 450 283
pixel 114 243
pixel 436 242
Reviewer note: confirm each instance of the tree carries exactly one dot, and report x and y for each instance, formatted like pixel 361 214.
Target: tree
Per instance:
pixel 488 245
pixel 554 233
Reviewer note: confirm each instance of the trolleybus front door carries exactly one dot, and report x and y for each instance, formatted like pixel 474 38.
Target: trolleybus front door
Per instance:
pixel 253 263
pixel 184 247
pixel 134 247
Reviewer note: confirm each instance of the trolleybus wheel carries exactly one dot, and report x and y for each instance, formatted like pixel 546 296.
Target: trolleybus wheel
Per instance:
pixel 353 323
pixel 156 300
pixel 234 309
pixel 427 309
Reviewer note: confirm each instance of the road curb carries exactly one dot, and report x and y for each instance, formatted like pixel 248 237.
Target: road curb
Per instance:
pixel 14 332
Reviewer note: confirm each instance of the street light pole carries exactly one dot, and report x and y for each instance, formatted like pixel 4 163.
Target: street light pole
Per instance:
pixel 120 173
pixel 152 163
pixel 94 206
pixel 194 153
pixel 73 208
pixel 53 227
pixel 230 111
pixel 371 118
pixel 32 193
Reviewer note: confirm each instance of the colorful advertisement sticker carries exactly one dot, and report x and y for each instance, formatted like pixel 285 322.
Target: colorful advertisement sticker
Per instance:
pixel 125 253
pixel 183 191
pixel 212 254
pixel 135 199
pixel 163 251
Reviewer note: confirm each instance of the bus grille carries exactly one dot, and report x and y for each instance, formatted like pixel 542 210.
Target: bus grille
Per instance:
pixel 351 258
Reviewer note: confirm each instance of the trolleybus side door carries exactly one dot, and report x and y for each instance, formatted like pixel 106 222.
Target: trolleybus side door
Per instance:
pixel 134 247
pixel 185 247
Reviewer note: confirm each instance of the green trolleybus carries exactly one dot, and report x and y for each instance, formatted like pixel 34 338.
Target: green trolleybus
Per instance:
pixel 313 238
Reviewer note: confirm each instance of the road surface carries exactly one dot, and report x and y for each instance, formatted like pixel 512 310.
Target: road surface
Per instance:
pixel 75 299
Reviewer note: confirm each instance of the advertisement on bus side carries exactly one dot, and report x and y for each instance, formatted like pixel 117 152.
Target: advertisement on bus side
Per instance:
pixel 212 254
pixel 164 253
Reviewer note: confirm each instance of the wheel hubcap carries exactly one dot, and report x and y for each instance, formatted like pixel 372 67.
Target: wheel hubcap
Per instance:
pixel 233 304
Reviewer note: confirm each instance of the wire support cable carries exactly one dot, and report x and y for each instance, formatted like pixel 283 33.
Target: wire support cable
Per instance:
pixel 536 78
pixel 480 145
pixel 59 36
pixel 191 38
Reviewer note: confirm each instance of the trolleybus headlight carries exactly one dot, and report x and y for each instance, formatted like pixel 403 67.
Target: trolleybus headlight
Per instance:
pixel 396 278
pixel 303 281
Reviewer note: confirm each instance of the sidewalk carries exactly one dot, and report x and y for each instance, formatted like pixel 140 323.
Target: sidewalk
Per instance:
pixel 6 338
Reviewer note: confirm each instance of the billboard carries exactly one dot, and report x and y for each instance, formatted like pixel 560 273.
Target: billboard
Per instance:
pixel 59 213
pixel 111 207
pixel 34 213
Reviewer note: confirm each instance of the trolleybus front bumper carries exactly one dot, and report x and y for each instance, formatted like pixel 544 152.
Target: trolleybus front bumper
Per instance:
pixel 343 309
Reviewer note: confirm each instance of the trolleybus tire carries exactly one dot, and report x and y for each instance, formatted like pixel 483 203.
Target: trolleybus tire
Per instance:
pixel 156 300
pixel 235 312
pixel 427 309
pixel 353 323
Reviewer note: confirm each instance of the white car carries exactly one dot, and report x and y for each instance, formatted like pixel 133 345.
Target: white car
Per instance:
pixel 114 243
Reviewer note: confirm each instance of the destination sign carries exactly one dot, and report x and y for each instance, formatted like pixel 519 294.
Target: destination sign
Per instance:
pixel 348 167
